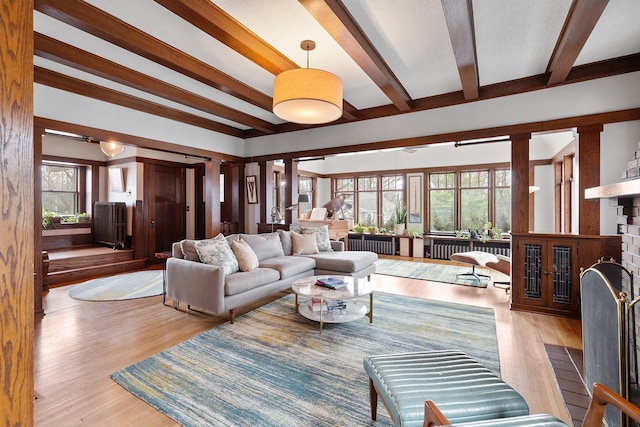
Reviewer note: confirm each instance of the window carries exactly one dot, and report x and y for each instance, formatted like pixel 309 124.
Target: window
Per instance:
pixel 376 198
pixel 474 199
pixel 60 189
pixel 345 186
pixel 502 184
pixel 305 186
pixel 392 188
pixel 442 201
pixel 368 200
pixel 468 199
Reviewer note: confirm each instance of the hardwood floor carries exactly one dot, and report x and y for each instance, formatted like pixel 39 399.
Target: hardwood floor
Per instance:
pixel 78 344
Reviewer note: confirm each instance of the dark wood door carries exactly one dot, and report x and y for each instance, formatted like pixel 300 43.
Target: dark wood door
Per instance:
pixel 166 207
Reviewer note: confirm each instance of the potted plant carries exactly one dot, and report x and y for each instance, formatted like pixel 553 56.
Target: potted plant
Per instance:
pixel 47 219
pixel 416 236
pixel 400 219
pixel 414 233
pixel 82 217
pixel 358 228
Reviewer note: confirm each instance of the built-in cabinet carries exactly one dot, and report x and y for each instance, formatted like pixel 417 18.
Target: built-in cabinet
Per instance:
pixel 546 270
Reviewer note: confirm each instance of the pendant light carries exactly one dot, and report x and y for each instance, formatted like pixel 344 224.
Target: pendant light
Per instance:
pixel 307 95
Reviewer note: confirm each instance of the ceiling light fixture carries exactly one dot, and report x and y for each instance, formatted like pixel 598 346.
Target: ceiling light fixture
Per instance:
pixel 307 95
pixel 111 148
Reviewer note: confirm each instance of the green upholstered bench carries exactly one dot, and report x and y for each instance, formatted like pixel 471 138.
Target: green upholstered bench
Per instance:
pixel 538 420
pixel 463 389
pixel 433 417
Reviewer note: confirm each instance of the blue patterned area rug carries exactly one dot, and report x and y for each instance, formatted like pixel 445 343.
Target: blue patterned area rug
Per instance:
pixel 272 367
pixel 139 284
pixel 434 272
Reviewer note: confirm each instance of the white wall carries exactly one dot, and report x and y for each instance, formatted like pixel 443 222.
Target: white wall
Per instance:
pixel 131 172
pixel 543 206
pixel 595 96
pixel 618 143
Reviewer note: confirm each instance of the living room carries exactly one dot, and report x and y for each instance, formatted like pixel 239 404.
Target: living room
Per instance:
pixel 600 89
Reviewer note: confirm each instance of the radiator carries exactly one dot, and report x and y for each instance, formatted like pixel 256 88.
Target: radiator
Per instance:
pixel 110 224
pixel 444 250
pixel 383 247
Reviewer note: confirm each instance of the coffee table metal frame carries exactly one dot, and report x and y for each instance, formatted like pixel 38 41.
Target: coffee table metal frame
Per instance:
pixel 354 310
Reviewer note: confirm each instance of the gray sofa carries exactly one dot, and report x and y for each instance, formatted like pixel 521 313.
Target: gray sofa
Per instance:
pixel 207 287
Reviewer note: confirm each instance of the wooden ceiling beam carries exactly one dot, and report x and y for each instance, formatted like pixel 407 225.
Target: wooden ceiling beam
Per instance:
pixel 73 85
pixel 214 21
pixel 459 17
pixel 62 53
pixel 337 21
pixel 88 18
pixel 581 19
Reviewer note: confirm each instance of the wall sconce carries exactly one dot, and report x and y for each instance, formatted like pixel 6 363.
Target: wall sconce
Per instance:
pixel 111 148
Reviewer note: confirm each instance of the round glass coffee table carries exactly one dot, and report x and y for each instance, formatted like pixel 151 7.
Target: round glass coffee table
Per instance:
pixel 325 305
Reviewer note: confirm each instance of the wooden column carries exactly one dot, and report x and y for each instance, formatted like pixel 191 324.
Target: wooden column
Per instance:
pixel 212 197
pixel 17 219
pixel 236 176
pixel 520 183
pixel 39 275
pixel 588 161
pixel 291 190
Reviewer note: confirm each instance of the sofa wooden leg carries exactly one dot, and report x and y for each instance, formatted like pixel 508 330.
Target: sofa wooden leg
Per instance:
pixel 232 315
pixel 373 400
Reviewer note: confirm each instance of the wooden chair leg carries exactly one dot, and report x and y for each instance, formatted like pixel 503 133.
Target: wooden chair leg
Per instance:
pixel 232 315
pixel 373 400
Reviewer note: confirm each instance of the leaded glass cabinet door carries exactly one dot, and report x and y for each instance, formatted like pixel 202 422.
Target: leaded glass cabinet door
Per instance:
pixel 546 276
pixel 564 276
pixel 533 273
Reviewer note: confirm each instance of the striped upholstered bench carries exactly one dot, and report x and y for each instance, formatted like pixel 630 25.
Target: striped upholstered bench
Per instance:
pixel 462 389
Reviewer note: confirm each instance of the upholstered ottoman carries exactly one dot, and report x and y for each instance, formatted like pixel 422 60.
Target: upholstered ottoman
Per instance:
pixel 434 417
pixel 462 389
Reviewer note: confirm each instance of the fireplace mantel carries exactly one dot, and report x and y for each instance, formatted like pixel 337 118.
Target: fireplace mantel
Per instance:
pixel 621 189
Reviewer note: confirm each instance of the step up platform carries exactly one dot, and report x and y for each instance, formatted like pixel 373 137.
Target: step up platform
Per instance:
pixel 89 262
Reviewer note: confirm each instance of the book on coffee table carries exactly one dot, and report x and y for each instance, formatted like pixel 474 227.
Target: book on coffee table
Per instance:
pixel 331 283
pixel 318 304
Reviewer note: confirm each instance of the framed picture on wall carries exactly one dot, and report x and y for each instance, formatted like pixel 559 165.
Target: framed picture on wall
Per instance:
pixel 252 190
pixel 415 199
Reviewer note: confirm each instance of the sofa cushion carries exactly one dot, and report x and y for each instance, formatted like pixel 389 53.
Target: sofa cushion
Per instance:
pixel 303 244
pixel 217 252
pixel 246 280
pixel 266 245
pixel 285 239
pixel 247 259
pixel 289 266
pixel 322 237
pixel 344 262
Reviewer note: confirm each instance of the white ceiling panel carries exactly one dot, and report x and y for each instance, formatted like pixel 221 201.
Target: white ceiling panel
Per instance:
pixel 617 33
pixel 284 24
pixel 412 37
pixel 516 38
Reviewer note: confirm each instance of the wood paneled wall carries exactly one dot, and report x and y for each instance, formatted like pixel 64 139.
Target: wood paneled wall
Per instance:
pixel 17 217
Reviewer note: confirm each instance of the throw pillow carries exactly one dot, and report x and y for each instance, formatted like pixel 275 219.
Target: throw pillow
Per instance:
pixel 217 252
pixel 265 246
pixel 247 259
pixel 303 244
pixel 322 237
pixel 285 238
pixel 189 250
